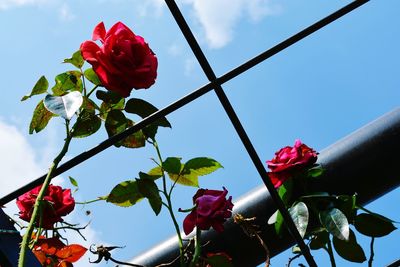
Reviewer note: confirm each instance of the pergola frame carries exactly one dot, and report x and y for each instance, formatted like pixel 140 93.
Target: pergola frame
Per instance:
pixel 215 84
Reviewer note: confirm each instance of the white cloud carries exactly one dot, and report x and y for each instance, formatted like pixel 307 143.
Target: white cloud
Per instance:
pixel 150 7
pixel 19 163
pixel 218 18
pixel 6 4
pixel 65 13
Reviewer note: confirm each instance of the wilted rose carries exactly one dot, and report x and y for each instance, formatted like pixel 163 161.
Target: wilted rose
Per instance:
pixel 289 161
pixel 57 202
pixel 211 210
pixel 123 62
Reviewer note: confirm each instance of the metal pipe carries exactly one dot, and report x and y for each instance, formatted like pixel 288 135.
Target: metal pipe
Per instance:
pixel 364 162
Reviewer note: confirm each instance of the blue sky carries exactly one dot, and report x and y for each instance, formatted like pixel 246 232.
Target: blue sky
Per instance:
pixel 319 90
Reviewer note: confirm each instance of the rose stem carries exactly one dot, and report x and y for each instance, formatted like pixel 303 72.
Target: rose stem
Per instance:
pixel 197 248
pixel 27 237
pixel 169 204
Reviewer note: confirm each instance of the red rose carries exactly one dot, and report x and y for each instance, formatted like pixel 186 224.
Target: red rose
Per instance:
pixel 212 209
pixel 57 202
pixel 288 161
pixel 123 62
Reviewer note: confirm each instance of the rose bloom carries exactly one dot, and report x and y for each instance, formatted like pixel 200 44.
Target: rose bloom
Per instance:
pixel 289 161
pixel 212 209
pixel 123 62
pixel 57 202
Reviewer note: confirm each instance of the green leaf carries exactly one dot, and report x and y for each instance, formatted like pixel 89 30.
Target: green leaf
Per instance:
pixel 185 179
pixel 144 109
pixel 172 165
pixel 149 189
pixel 315 172
pixel 300 215
pixel 64 106
pixel 76 59
pixel 156 172
pixel 66 82
pixel 373 225
pixel 116 122
pixel 279 224
pixel 135 140
pixel 319 240
pixel 347 204
pixel 219 260
pixel 143 175
pixel 40 87
pixel 201 166
pixel 125 194
pixel 109 97
pixel 86 124
pixel 285 191
pixel 73 181
pixel 349 250
pixel 335 222
pixel 92 76
pixel 40 119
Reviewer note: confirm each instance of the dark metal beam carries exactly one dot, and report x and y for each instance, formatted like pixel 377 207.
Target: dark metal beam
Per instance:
pixel 365 162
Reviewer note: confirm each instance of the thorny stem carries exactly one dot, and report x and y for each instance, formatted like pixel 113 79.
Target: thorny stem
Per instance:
pixel 36 208
pixel 197 248
pixel 371 257
pixel 169 205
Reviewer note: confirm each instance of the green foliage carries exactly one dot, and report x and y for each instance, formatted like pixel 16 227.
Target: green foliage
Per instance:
pixel 86 124
pixel 40 87
pixel 188 173
pixel 116 122
pixel 155 172
pixel 300 215
pixel 201 166
pixel 285 193
pixel 315 171
pixel 145 109
pixel 40 119
pixel 92 76
pixel 125 194
pixel 149 189
pixel 172 165
pixel 73 181
pixel 67 82
pixel 335 222
pixel 65 106
pixel 373 225
pixel 350 249
pixel 76 59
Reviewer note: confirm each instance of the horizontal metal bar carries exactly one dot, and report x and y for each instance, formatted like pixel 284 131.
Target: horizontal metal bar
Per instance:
pixel 365 162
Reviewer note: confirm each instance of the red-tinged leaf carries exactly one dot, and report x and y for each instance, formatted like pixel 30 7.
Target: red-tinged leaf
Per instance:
pixel 71 253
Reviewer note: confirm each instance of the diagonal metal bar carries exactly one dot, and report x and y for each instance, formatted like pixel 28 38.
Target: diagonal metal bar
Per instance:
pixel 205 65
pixel 186 99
